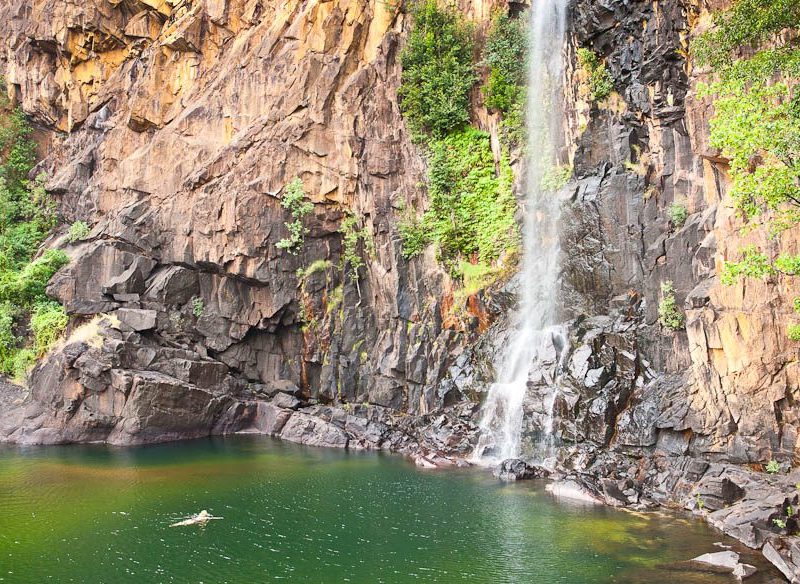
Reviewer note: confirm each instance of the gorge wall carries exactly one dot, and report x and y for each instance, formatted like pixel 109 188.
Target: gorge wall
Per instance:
pixel 172 128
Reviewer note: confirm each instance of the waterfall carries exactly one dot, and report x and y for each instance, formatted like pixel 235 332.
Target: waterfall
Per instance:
pixel 535 333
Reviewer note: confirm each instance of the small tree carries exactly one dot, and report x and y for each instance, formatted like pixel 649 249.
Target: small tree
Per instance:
pixel 294 201
pixel 668 314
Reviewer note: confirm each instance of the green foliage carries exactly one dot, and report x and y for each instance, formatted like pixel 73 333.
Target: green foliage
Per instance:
pixel 27 287
pixel 755 264
pixel 475 277
pixel 438 72
pixel 756 128
pixel 504 53
pixel 555 178
pixel 669 315
pixel 294 201
pixel 745 23
pixel 699 501
pixel 757 122
pixel 198 307
pixel 78 231
pixel 779 523
pixel 29 322
pixel 48 322
pixel 677 214
pixel 352 237
pixel 413 235
pixel 600 83
pixel 773 467
pixel 472 208
pixel 513 132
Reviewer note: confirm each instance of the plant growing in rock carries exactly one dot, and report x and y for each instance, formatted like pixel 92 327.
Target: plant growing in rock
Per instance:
pixel 29 321
pixel 198 307
pixel 668 314
pixel 599 83
pixel 472 208
pixel 699 503
pixel 78 231
pixel 504 54
pixel 48 322
pixel 677 214
pixel 353 238
pixel 294 201
pixel 438 72
pixel 773 467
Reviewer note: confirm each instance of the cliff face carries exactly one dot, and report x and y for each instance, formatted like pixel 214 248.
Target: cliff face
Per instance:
pixel 177 126
pixel 173 126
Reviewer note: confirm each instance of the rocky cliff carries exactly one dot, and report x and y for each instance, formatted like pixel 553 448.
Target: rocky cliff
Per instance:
pixel 173 130
pixel 172 127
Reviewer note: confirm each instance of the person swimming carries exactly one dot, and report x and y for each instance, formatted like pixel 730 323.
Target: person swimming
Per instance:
pixel 199 518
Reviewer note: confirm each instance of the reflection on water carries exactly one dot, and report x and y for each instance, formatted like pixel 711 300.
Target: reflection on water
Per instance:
pixel 99 514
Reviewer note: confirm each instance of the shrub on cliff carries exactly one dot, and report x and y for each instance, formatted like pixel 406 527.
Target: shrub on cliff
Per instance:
pixel 757 121
pixel 294 201
pixel 669 315
pixel 599 82
pixel 504 53
pixel 29 321
pixel 438 72
pixel 471 212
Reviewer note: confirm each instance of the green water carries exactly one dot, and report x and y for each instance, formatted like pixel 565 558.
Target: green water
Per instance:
pixel 295 514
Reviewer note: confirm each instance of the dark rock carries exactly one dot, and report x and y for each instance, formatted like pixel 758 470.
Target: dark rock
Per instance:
pixel 516 469
pixel 136 319
pixel 286 401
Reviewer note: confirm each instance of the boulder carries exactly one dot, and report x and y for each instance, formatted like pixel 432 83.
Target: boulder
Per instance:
pixel 135 319
pixel 516 469
pixel 727 560
pixel 313 431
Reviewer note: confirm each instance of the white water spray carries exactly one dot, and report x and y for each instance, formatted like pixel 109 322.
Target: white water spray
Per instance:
pixel 532 340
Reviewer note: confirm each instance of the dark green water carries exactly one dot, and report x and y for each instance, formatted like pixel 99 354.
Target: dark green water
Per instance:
pixel 96 514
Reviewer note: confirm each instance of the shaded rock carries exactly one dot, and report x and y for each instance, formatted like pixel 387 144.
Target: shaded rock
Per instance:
pixel 269 419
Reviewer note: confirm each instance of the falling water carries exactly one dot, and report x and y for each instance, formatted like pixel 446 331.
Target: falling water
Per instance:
pixel 533 338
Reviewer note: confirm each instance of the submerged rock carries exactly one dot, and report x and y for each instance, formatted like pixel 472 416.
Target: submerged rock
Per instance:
pixel 728 560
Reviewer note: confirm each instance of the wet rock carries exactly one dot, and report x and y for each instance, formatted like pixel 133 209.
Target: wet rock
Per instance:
pixel 516 469
pixel 742 571
pixel 727 560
